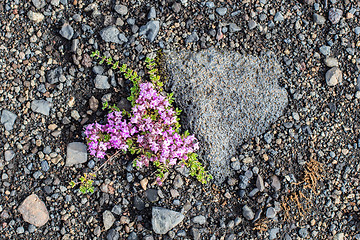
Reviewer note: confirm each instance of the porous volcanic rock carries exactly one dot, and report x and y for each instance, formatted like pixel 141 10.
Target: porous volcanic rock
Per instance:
pixel 226 98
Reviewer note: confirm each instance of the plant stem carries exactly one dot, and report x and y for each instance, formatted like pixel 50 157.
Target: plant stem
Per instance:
pixel 108 160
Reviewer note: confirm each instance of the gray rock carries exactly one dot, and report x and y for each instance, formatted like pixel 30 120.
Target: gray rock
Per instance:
pixel 150 30
pixel 98 70
pixel 39 3
pixel 318 19
pixel 325 50
pixel 210 4
pixel 357 30
pixel 234 28
pixel 77 17
pixel 8 119
pixel 236 165
pixel 333 76
pixel 152 13
pixel 76 153
pixel 193 37
pixel 248 213
pixel 35 17
pixel 93 103
pixel 45 166
pixel 243 182
pixel 339 236
pixel 278 17
pixel 275 183
pixel 195 233
pixel 34 211
pixel 152 195
pixel 335 15
pixel 270 212
pixel 121 9
pixel 132 236
pixel 112 235
pixel 123 38
pixel 303 232
pixel 252 24
pixel 219 106
pixel 101 82
pixel 253 192
pixel 139 203
pixel 131 21
pixel 20 230
pixel 350 51
pixel 74 45
pixel 31 228
pixel 163 220
pixel 53 76
pixel 116 210
pixel 262 17
pixel 178 182
pixel 358 89
pixel 9 155
pixel 221 11
pixel 108 219
pixel 176 7
pixel 129 177
pixel 273 233
pixel 67 31
pixel 316 6
pixel 55 3
pixel 309 2
pixel 260 183
pixel 37 174
pixel 41 106
pixel 110 34
pixel 331 62
pixel 257 215
pixel 199 220
pixel 231 237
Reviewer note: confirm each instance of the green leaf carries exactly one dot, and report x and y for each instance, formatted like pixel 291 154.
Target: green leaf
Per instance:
pixel 106 137
pixel 129 142
pixel 109 61
pixel 82 189
pixel 72 184
pixel 105 105
pixel 123 68
pixel 103 59
pixel 115 65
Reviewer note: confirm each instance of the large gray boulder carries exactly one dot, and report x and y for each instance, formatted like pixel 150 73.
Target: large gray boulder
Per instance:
pixel 226 98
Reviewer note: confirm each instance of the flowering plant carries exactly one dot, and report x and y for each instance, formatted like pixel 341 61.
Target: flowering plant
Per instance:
pixel 150 131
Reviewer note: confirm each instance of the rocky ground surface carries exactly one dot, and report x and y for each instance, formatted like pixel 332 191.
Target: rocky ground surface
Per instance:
pixel 299 180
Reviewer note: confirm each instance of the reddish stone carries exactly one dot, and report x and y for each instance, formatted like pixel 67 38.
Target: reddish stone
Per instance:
pixel 34 211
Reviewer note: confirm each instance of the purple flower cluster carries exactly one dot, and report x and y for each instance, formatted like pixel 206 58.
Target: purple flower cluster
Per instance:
pixel 111 135
pixel 150 131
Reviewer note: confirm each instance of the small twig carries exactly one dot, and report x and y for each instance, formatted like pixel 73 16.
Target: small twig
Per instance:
pixel 108 160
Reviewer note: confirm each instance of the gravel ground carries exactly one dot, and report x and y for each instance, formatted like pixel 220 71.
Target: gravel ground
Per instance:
pixel 298 180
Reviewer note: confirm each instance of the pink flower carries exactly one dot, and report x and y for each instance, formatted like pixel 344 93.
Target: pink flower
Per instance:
pixel 151 128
